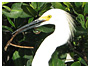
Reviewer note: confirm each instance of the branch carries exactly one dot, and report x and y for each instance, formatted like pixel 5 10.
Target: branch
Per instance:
pixel 84 57
pixel 74 49
pixel 9 43
pixel 21 46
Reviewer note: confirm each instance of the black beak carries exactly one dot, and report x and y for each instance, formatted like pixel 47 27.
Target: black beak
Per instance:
pixel 29 26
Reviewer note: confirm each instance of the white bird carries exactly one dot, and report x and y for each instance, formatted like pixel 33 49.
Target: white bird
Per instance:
pixel 64 29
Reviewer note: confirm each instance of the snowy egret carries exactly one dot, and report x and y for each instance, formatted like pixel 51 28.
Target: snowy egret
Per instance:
pixel 64 28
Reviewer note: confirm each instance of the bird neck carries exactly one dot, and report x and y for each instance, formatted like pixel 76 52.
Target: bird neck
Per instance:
pixel 44 52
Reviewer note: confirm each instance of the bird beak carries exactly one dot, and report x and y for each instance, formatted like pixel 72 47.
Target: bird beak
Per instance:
pixel 31 25
pixel 35 23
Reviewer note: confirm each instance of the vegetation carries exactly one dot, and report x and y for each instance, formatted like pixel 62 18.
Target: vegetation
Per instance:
pixel 15 15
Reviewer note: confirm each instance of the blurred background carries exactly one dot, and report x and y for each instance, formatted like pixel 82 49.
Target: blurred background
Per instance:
pixel 17 14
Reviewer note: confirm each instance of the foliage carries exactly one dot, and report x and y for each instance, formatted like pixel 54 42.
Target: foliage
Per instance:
pixel 18 14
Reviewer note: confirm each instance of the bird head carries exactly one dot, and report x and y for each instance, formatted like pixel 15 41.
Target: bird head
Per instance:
pixel 43 20
pixel 46 19
pixel 57 17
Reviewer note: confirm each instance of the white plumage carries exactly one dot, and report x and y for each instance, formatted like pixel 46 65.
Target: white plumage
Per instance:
pixel 64 27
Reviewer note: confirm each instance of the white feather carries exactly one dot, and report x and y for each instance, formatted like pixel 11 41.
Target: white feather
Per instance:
pixel 64 27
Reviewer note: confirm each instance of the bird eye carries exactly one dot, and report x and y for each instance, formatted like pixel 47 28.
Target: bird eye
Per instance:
pixel 49 16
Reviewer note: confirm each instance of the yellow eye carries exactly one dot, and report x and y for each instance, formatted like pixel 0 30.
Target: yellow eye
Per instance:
pixel 49 16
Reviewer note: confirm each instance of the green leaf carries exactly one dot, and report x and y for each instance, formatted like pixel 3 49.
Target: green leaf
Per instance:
pixel 83 4
pixel 68 4
pixel 77 63
pixel 81 19
pixel 58 5
pixel 6 27
pixel 4 3
pixel 78 4
pixel 80 31
pixel 55 61
pixel 12 14
pixel 34 4
pixel 16 55
pixel 74 43
pixel 45 7
pixel 30 19
pixel 30 59
pixel 82 61
pixel 45 29
pixel 28 63
pixel 86 9
pixel 24 15
pixel 75 11
pixel 29 10
pixel 37 5
pixel 63 56
pixel 17 7
pixel 17 59
pixel 27 56
pixel 11 22
pixel 6 7
pixel 60 63
pixel 40 4
pixel 16 11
